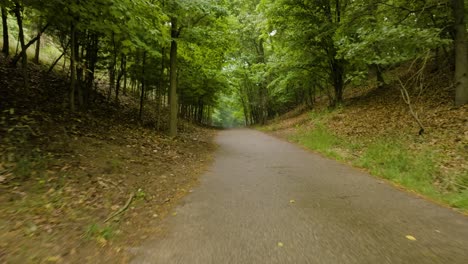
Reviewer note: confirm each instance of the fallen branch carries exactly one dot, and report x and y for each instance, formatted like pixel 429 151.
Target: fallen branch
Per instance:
pixel 407 99
pixel 123 209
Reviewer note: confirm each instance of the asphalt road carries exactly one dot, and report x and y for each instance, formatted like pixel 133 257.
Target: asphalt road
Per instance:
pixel 267 201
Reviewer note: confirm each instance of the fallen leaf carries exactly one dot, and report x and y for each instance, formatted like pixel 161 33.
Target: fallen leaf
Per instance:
pixel 53 259
pixel 280 244
pixel 292 201
pixel 102 241
pixel 412 238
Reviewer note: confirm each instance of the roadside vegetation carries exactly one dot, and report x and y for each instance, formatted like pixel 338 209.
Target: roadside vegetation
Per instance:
pixel 384 140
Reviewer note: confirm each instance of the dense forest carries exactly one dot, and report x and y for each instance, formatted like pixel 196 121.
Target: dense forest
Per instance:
pixel 92 91
pixel 240 61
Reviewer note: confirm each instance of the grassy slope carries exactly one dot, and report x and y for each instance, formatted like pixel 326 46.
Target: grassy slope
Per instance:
pixel 373 130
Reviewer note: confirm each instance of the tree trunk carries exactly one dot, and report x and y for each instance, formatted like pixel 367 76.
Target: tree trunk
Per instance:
pixel 173 81
pixel 338 80
pixel 72 68
pixel 112 69
pixel 6 41
pixel 93 51
pixel 119 77
pixel 124 89
pixel 160 90
pixel 19 19
pixel 461 55
pixel 79 69
pixel 38 42
pixel 142 96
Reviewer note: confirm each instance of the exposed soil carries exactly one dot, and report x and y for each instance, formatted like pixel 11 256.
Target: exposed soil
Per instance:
pixel 63 174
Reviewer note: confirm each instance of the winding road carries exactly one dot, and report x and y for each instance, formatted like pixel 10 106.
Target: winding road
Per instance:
pixel 268 201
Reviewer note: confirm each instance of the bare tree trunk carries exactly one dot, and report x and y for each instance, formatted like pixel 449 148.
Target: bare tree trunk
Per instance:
pixel 160 90
pixel 461 55
pixel 6 41
pixel 173 80
pixel 72 68
pixel 112 69
pixel 125 80
pixel 142 97
pixel 38 42
pixel 119 77
pixel 19 19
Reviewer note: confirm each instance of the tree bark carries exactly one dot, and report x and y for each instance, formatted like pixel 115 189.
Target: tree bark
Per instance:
pixel 123 66
pixel 19 19
pixel 173 80
pixel 72 68
pixel 112 68
pixel 142 96
pixel 461 55
pixel 161 89
pixel 6 41
pixel 38 42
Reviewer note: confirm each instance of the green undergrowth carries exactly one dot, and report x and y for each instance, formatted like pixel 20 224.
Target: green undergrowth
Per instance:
pixel 388 158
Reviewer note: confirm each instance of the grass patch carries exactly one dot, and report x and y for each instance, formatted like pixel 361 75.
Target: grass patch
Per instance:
pixel 319 139
pixel 391 160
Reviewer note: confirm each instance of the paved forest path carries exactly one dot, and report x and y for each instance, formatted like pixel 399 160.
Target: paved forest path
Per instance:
pixel 267 201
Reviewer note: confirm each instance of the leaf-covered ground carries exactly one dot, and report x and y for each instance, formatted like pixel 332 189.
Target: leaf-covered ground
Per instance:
pixel 62 174
pixel 376 122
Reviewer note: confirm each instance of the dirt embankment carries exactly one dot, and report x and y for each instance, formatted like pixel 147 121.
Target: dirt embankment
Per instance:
pixel 63 174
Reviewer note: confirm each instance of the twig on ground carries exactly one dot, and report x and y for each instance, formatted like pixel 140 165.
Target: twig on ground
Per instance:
pixel 123 209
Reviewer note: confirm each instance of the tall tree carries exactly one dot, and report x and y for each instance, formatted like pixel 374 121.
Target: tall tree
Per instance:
pixel 174 107
pixel 461 55
pixel 6 41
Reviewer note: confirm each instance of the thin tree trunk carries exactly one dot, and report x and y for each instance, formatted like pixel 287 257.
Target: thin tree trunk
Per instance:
pixel 6 41
pixel 72 68
pixel 38 42
pixel 125 80
pixel 112 69
pixel 142 96
pixel 79 69
pixel 56 61
pixel 119 77
pixel 161 89
pixel 173 80
pixel 19 19
pixel 461 55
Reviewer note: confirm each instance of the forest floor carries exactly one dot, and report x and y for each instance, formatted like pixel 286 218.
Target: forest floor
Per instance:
pixel 63 174
pixel 374 130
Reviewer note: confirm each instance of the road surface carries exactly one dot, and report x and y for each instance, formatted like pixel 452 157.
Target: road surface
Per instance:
pixel 268 201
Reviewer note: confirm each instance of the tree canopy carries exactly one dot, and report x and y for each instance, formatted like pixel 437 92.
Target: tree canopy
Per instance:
pixel 259 58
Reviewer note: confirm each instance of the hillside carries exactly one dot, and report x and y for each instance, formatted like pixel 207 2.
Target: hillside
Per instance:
pixel 374 130
pixel 63 174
